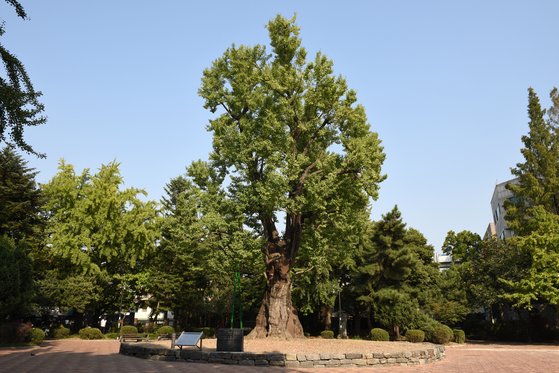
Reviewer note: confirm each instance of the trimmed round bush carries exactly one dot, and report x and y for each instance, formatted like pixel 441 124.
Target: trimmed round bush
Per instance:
pixel 111 335
pixel 37 336
pixel 415 336
pixel 128 329
pixel 90 333
pixel 459 336
pixel 166 329
pixel 442 334
pixel 61 332
pixel 327 334
pixel 378 334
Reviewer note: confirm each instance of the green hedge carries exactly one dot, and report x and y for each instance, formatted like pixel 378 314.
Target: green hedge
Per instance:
pixel 166 329
pixel 128 329
pixel 459 336
pixel 90 333
pixel 61 332
pixel 378 334
pixel 442 334
pixel 415 336
pixel 37 336
pixel 327 334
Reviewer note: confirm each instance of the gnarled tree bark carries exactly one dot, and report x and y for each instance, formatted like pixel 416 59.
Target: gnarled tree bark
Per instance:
pixel 277 317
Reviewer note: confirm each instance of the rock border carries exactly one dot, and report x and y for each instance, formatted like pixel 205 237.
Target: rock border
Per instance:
pixel 287 360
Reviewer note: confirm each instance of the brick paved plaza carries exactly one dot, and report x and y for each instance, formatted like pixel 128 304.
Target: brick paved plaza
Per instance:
pixel 74 355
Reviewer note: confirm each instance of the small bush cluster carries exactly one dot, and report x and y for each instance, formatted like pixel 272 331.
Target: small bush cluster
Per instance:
pixel 327 334
pixel 415 336
pixel 128 329
pixel 111 335
pixel 61 332
pixel 37 336
pixel 166 329
pixel 442 334
pixel 459 336
pixel 90 333
pixel 378 334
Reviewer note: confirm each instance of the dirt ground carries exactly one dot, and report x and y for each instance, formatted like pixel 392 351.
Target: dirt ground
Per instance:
pixel 313 345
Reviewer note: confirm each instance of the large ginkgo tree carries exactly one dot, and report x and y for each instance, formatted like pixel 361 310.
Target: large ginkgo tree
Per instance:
pixel 294 151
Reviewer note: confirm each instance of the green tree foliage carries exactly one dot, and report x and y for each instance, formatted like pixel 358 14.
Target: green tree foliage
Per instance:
pixel 97 234
pixel 534 212
pixel 20 225
pixel 20 198
pixel 462 245
pixel 16 280
pixel 293 142
pixel 386 265
pixel 203 245
pixel 94 224
pixel 538 176
pixel 19 102
pixel 539 283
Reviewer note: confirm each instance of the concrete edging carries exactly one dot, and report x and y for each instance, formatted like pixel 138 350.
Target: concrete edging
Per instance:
pixel 436 353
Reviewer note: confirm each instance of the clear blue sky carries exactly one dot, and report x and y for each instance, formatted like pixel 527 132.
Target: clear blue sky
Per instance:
pixel 444 84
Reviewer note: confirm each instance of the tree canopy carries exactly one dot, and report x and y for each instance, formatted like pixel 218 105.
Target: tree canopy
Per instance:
pixel 19 101
pixel 289 142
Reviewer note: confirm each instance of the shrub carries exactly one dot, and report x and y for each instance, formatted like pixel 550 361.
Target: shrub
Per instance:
pixel 378 334
pixel 415 336
pixel 37 336
pixel 459 336
pixel 128 329
pixel 90 333
pixel 61 332
pixel 327 334
pixel 166 329
pixel 442 334
pixel 23 332
pixel 111 335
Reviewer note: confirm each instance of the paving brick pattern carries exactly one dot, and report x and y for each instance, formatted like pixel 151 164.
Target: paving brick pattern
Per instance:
pixel 102 356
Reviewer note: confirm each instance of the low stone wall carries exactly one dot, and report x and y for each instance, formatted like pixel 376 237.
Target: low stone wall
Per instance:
pixel 286 360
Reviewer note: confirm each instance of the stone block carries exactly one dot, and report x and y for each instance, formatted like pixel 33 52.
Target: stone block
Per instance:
pixel 291 357
pixel 277 363
pixel 359 362
pixel 292 364
pixel 301 357
pixel 276 357
pixel 246 362
pixel 313 357
pixel 261 362
pixel 306 364
pixel 373 361
pixel 331 363
pixel 353 356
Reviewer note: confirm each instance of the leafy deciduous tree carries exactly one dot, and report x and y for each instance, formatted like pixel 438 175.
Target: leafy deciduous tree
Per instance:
pixel 292 139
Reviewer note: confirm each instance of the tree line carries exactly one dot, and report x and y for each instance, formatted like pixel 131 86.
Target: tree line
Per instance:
pixel 283 204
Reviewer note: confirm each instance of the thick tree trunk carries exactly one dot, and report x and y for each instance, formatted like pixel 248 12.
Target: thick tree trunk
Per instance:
pixel 277 317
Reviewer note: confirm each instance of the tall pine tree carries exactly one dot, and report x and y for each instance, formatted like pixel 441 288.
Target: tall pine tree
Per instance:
pixel 538 175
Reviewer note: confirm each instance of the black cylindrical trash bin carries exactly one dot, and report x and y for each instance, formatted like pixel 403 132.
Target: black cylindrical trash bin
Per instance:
pixel 230 340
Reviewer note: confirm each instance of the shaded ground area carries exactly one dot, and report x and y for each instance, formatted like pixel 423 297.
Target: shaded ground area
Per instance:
pixel 102 356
